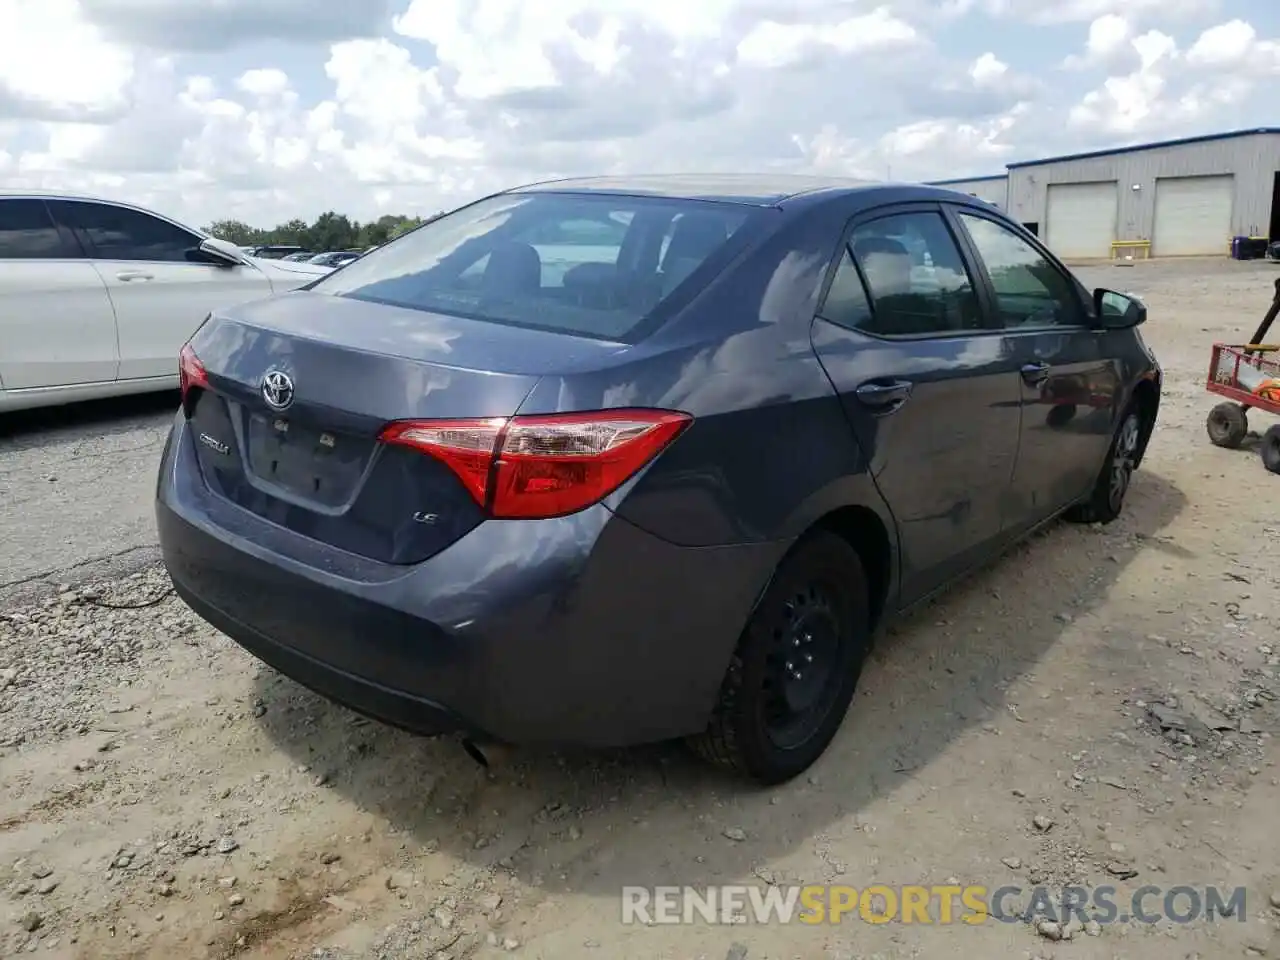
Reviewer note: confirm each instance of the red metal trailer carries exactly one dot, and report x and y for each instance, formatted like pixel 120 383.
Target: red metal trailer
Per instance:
pixel 1248 375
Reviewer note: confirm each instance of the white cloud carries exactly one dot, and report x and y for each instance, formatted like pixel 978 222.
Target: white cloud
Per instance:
pixel 217 25
pixel 1069 11
pixel 53 63
pixel 418 104
pixel 773 44
pixel 988 69
pixel 1235 45
pixel 1168 90
pixel 263 82
pixel 1108 45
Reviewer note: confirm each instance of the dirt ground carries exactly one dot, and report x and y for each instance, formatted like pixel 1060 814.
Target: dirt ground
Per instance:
pixel 163 795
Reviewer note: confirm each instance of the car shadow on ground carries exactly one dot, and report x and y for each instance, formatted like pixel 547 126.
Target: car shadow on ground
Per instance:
pixel 594 822
pixel 114 415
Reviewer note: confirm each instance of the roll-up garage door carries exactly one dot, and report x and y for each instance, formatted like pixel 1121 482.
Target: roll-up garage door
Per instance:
pixel 1081 219
pixel 1192 216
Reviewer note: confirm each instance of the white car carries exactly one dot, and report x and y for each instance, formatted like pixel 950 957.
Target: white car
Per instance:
pixel 97 297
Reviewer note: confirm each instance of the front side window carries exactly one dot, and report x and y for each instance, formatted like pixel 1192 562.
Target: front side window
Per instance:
pixel 27 232
pixel 1030 291
pixel 119 233
pixel 917 279
pixel 591 265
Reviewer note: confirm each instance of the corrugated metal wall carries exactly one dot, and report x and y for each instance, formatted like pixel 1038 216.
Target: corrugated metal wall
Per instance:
pixel 993 190
pixel 1253 160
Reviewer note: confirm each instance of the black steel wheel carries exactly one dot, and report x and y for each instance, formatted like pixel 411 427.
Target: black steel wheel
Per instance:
pixel 1270 449
pixel 1227 425
pixel 793 675
pixel 1107 498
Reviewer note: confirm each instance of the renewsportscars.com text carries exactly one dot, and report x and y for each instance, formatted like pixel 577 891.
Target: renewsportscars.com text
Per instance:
pixel 940 904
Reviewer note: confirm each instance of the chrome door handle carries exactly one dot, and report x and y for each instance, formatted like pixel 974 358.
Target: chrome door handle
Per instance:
pixel 128 275
pixel 1035 373
pixel 884 396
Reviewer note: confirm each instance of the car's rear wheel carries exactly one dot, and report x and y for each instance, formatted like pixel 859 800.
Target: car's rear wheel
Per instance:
pixel 793 675
pixel 1107 499
pixel 1227 425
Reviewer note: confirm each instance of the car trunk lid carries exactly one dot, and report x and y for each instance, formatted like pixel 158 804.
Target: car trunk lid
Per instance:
pixel 299 388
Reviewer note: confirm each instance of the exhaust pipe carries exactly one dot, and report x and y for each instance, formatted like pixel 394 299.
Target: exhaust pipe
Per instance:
pixel 487 754
pixel 472 750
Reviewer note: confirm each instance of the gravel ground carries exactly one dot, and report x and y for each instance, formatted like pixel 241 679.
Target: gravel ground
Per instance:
pixel 1098 707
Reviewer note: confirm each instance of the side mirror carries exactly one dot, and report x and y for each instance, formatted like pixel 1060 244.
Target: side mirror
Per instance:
pixel 222 253
pixel 1117 311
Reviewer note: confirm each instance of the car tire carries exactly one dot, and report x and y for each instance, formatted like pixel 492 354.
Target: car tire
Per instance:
pixel 1227 425
pixel 1270 449
pixel 1060 415
pixel 1107 498
pixel 769 724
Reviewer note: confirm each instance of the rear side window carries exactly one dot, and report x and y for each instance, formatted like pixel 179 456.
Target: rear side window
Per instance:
pixel 846 303
pixel 917 279
pixel 590 265
pixel 27 232
pixel 119 233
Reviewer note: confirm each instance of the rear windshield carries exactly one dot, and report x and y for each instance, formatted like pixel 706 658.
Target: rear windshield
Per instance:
pixel 590 265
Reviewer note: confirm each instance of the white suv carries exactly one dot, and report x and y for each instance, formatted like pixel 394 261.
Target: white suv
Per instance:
pixel 97 298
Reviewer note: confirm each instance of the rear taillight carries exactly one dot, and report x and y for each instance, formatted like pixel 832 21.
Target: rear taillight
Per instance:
pixel 191 372
pixel 543 466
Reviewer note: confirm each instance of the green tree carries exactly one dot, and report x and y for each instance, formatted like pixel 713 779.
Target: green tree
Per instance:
pixel 291 231
pixel 330 231
pixel 233 231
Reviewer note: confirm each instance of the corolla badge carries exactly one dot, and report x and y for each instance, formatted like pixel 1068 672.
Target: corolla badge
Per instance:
pixel 277 389
pixel 217 446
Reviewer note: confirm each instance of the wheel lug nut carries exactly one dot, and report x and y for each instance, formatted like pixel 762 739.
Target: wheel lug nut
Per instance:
pixel 791 667
pixel 808 658
pixel 799 675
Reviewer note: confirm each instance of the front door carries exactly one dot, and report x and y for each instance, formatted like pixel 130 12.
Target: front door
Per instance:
pixel 160 284
pixel 1070 388
pixel 929 384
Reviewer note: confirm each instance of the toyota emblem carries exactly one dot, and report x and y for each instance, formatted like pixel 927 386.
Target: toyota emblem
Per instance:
pixel 277 389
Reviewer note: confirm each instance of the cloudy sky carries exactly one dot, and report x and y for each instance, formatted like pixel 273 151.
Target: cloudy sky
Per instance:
pixel 268 109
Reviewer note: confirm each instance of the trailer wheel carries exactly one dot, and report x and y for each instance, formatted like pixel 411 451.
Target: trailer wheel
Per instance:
pixel 1271 449
pixel 1227 425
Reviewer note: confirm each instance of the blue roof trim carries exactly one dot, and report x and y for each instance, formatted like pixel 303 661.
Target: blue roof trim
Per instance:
pixel 945 183
pixel 1138 147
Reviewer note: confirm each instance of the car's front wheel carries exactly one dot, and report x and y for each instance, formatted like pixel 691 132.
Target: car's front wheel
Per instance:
pixel 793 675
pixel 1107 499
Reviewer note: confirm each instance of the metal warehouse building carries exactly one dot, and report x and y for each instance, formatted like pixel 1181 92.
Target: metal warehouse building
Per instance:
pixel 1176 198
pixel 992 189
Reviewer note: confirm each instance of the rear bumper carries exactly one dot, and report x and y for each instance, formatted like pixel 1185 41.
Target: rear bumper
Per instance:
pixel 580 630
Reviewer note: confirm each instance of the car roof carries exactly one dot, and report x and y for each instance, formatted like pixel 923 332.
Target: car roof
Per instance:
pixel 761 190
pixel 7 193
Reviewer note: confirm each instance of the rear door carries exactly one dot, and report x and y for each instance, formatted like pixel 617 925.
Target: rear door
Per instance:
pixel 57 327
pixel 928 383
pixel 159 283
pixel 1069 385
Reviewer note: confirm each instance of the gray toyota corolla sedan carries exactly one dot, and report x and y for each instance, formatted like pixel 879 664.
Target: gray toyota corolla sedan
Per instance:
pixel 607 461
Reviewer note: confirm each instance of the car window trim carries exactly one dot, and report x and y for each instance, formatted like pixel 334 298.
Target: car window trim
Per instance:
pixel 829 282
pixel 883 212
pixel 953 211
pixel 90 248
pixel 68 244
